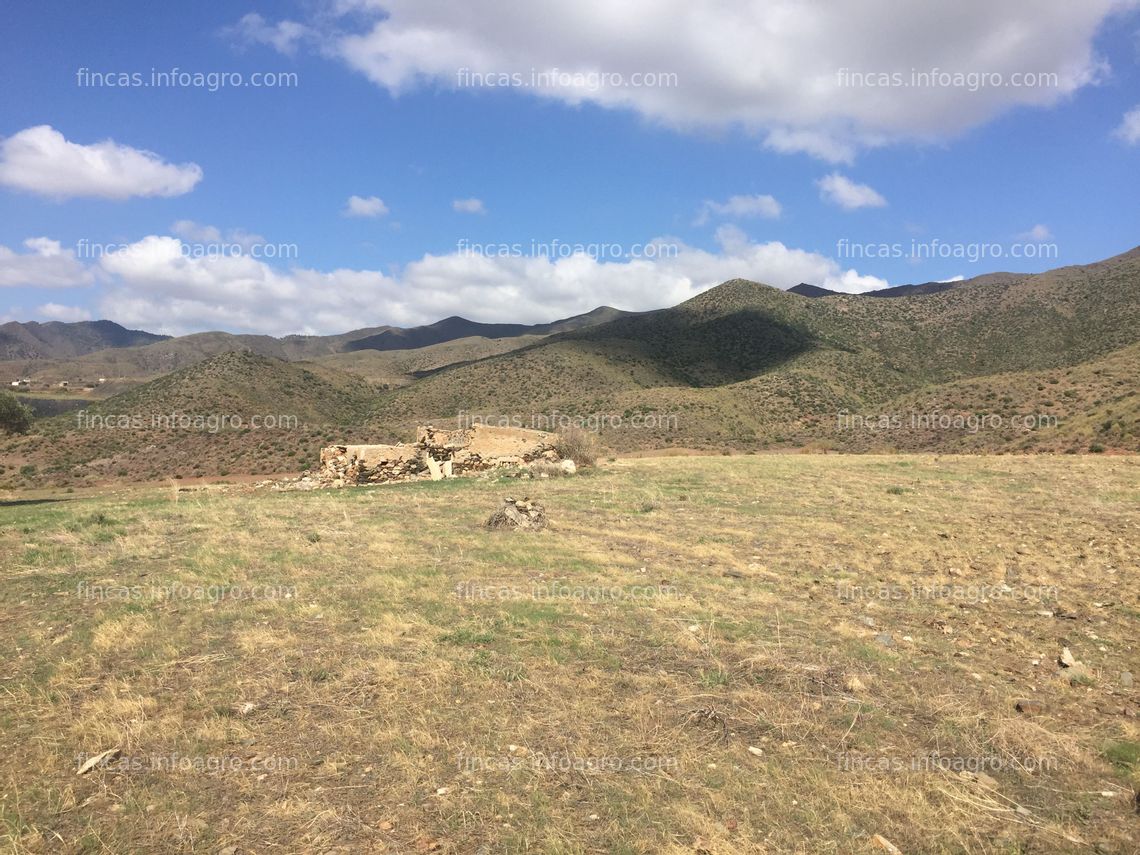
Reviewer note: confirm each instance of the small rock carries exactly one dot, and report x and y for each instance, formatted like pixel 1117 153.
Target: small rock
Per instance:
pixel 1126 679
pixel 1067 659
pixel 758 752
pixel 884 638
pixel 985 780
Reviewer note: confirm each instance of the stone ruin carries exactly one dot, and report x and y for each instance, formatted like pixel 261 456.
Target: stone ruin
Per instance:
pixel 438 454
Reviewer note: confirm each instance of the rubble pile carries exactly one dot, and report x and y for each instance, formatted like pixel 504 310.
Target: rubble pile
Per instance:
pixel 526 514
pixel 436 454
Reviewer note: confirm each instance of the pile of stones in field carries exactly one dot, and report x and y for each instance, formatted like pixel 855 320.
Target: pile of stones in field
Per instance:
pixel 524 514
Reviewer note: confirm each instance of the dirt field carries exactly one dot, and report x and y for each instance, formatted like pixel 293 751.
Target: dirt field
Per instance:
pixel 758 654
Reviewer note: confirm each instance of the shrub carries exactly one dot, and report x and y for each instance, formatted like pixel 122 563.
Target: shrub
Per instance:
pixel 548 468
pixel 578 445
pixel 14 416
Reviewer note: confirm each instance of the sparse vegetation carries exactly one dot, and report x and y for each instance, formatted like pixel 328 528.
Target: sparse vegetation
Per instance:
pixel 579 445
pixel 421 667
pixel 14 416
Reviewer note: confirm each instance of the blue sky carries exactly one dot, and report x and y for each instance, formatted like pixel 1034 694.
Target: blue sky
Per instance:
pixel 752 154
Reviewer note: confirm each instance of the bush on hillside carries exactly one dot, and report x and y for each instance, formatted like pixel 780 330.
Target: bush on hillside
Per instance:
pixel 577 444
pixel 14 416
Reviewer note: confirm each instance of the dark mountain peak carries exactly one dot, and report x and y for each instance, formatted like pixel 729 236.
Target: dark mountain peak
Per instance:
pixel 805 289
pixel 62 340
pixel 911 290
pixel 456 327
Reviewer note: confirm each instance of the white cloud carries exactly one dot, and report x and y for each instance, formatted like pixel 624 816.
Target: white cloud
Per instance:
pixel 958 278
pixel 254 29
pixel 740 206
pixel 1129 128
pixel 365 206
pixel 40 160
pixel 214 238
pixel 816 143
pixel 68 314
pixel 842 191
pixel 157 287
pixel 468 206
pixel 773 67
pixel 1038 232
pixel 48 265
pixel 191 230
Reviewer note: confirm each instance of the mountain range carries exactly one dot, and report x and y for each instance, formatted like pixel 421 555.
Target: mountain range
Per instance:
pixel 742 366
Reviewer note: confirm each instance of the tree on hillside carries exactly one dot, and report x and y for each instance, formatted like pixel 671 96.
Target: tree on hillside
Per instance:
pixel 14 416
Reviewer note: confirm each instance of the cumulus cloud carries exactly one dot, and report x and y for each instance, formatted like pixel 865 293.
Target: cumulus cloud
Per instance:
pixel 1038 232
pixel 1129 128
pixel 740 206
pixel 775 67
pixel 468 206
pixel 157 286
pixel 58 312
pixel 47 265
pixel 191 230
pixel 254 29
pixel 842 191
pixel 40 160
pixel 365 206
pixel 211 237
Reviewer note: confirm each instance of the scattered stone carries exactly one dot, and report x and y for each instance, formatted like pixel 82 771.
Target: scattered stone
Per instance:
pixel 886 845
pixel 102 757
pixel 884 638
pixel 732 574
pixel 1126 679
pixel 525 514
pixel 980 778
pixel 1067 659
pixel 1029 707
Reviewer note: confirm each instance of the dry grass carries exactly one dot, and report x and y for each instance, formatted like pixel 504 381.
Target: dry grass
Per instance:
pixel 431 686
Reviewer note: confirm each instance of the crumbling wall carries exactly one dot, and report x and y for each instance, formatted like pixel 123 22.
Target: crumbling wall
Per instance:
pixel 436 454
pixel 482 447
pixel 369 464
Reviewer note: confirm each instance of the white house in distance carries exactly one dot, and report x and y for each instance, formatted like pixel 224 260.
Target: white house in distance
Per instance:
pixel 20 383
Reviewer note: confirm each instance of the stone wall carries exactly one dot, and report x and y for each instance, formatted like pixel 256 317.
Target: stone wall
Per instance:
pixel 436 454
